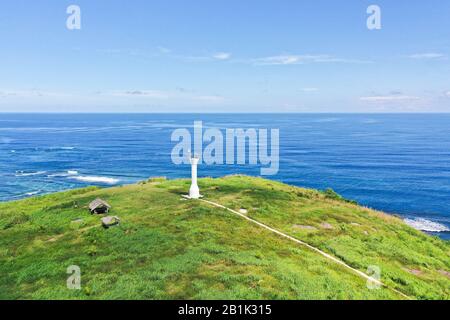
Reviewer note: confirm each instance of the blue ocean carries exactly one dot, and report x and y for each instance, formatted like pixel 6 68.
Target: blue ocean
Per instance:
pixel 398 163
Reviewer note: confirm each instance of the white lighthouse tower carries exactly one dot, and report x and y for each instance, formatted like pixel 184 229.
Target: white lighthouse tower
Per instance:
pixel 194 191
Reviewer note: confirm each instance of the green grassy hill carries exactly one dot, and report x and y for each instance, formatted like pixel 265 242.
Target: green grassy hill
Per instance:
pixel 170 248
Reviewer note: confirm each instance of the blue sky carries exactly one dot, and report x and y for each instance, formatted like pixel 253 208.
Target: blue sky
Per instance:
pixel 225 56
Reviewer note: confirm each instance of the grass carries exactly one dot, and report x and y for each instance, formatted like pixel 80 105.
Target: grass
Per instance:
pixel 169 248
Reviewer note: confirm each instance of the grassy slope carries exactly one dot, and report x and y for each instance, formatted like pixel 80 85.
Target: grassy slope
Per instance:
pixel 167 248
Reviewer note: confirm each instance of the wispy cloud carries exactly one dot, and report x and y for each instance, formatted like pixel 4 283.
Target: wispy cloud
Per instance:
pixel 212 98
pixel 222 55
pixel 219 56
pixel 429 55
pixel 175 95
pixel 389 98
pixel 280 60
pixel 289 59
pixel 162 49
pixel 30 93
pixel 140 93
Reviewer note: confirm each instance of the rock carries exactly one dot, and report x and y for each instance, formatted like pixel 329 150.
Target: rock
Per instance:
pixel 297 226
pixel 243 211
pixel 110 221
pixel 415 272
pixel 445 273
pixel 325 225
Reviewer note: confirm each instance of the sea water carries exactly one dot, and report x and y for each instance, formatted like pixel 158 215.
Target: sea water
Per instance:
pixel 398 163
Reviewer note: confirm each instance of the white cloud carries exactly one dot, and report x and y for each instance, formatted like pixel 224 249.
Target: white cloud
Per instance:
pixel 140 93
pixel 219 56
pixel 222 55
pixel 389 98
pixel 447 94
pixel 176 95
pixel 281 60
pixel 428 55
pixel 30 94
pixel 302 59
pixel 213 98
pixel 163 49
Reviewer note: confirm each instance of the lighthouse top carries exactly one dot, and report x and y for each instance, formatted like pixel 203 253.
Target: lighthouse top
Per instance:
pixel 194 159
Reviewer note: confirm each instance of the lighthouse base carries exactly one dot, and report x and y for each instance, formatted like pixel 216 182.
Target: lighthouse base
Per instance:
pixel 188 197
pixel 194 192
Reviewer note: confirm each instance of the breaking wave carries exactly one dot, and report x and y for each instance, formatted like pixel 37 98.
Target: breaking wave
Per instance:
pixel 95 179
pixel 426 225
pixel 63 174
pixel 33 193
pixel 29 174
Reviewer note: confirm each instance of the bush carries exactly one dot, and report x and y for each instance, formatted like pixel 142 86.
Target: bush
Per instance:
pixel 331 194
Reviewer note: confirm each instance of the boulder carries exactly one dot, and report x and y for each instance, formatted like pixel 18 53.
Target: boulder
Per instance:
pixel 326 225
pixel 110 221
pixel 301 227
pixel 445 273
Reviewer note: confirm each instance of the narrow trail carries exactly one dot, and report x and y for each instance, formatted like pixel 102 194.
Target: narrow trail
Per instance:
pixel 326 255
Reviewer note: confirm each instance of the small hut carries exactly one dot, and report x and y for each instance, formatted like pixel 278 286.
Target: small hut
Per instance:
pixel 99 206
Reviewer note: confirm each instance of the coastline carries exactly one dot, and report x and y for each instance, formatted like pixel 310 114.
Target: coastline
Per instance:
pixel 154 214
pixel 424 225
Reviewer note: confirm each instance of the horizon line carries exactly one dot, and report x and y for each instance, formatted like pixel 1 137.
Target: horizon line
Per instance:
pixel 237 112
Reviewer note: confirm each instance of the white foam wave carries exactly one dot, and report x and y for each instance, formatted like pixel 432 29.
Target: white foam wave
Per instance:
pixel 25 195
pixel 29 194
pixel 29 174
pixel 64 174
pixel 55 175
pixel 95 179
pixel 426 225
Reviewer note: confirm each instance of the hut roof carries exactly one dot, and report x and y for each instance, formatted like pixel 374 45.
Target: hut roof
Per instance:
pixel 98 203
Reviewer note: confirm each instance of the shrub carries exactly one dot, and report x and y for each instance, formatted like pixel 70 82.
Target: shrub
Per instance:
pixel 331 194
